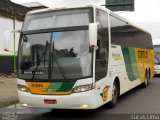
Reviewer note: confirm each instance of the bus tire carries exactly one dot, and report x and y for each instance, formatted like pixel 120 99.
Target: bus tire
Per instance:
pixel 146 81
pixel 115 95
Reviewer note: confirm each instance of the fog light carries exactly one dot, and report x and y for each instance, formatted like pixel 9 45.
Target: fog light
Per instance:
pixel 84 106
pixel 24 104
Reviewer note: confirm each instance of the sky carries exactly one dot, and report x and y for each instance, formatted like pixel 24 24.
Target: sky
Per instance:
pixel 146 14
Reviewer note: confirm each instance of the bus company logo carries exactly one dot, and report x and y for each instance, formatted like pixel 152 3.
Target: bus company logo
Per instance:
pixel 116 56
pixel 37 85
pixel 104 93
pixel 142 54
pixel 49 91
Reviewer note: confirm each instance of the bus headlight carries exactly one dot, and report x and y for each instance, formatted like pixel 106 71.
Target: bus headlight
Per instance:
pixel 23 88
pixel 83 88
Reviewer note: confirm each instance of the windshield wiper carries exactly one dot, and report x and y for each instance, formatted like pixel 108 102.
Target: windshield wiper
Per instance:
pixel 60 68
pixel 40 60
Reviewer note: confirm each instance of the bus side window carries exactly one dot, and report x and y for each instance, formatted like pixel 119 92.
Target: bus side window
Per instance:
pixel 102 42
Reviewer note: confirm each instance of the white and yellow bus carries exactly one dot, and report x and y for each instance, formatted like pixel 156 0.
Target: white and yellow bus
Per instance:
pixel 80 58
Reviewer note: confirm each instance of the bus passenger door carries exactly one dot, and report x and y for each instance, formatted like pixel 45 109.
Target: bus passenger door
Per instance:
pixel 101 65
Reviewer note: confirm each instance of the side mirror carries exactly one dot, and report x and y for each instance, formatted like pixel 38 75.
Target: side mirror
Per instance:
pixel 7 40
pixel 93 34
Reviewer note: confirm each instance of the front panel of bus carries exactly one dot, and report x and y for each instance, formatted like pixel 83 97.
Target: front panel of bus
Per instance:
pixel 55 62
pixel 57 68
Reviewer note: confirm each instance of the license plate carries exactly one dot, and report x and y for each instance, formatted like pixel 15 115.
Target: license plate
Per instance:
pixel 47 101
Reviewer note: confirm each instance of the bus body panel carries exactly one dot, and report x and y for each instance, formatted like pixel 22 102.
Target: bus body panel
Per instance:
pixel 130 70
pixel 92 98
pixel 128 64
pixel 72 101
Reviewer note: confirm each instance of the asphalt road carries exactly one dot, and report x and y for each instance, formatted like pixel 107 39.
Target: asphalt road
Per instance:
pixel 139 101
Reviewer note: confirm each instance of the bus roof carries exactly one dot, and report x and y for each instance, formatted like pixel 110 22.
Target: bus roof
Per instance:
pixel 59 8
pixel 94 6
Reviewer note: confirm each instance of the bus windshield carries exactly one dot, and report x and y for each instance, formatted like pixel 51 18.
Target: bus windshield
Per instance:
pixel 54 45
pixel 55 55
pixel 157 54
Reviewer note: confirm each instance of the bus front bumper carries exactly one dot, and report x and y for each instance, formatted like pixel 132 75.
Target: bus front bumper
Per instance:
pixel 83 100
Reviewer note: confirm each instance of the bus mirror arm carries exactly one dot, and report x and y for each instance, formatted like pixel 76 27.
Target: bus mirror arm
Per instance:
pixel 7 40
pixel 94 47
pixel 93 35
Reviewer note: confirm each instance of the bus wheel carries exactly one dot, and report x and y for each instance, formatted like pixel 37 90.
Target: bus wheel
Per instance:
pixel 146 81
pixel 115 95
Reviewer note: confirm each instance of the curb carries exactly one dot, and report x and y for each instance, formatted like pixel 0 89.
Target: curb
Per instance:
pixel 8 104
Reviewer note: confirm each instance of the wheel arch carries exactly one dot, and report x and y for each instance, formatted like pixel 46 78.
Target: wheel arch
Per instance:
pixel 117 80
pixel 149 70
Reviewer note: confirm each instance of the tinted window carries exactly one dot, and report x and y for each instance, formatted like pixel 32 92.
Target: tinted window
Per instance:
pixel 54 56
pixel 123 33
pixel 102 52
